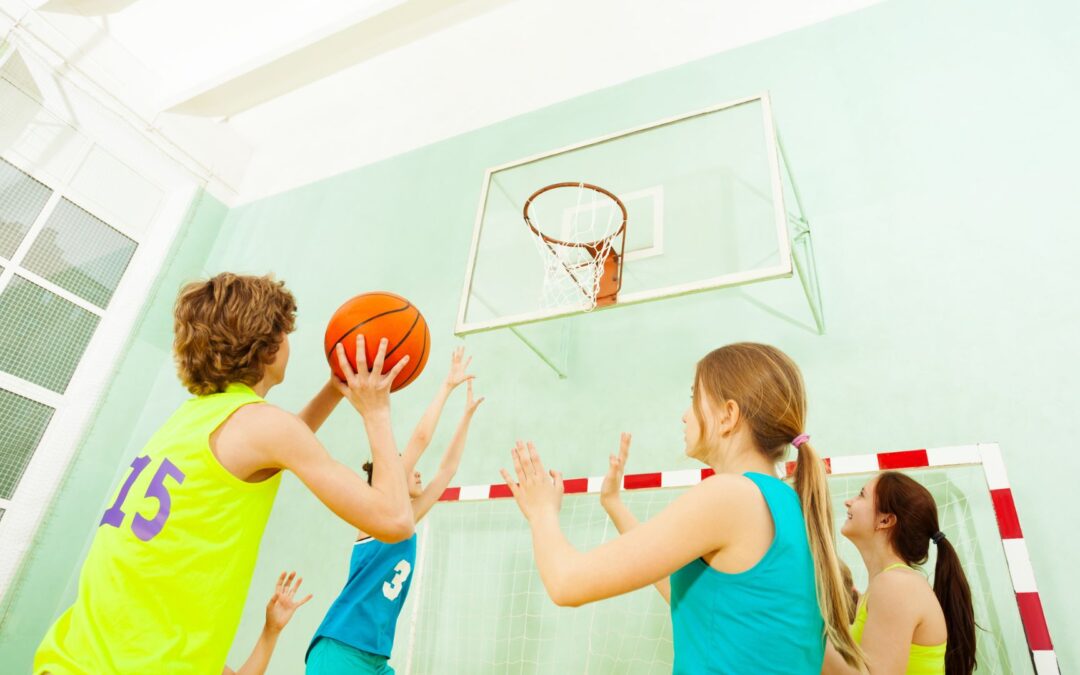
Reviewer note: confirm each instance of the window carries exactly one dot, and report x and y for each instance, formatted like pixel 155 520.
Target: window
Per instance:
pixel 59 268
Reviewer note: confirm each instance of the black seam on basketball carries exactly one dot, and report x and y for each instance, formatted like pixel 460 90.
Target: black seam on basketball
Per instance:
pixel 414 322
pixel 419 361
pixel 423 351
pixel 367 320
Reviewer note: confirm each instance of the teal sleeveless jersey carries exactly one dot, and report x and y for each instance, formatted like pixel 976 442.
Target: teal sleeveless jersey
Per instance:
pixel 365 614
pixel 763 620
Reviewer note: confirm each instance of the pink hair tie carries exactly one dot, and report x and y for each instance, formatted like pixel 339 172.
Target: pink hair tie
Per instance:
pixel 800 439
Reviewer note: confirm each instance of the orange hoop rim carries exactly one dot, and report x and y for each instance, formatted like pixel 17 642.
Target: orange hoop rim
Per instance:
pixel 591 245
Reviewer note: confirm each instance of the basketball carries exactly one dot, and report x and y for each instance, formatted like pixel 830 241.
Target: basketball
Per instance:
pixel 380 315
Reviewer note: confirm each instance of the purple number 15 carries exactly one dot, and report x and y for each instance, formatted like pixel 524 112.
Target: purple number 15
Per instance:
pixel 145 528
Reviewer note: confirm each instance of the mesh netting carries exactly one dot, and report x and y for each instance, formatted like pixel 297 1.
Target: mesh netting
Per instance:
pixel 585 222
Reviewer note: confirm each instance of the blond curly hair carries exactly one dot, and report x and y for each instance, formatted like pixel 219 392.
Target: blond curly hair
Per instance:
pixel 228 329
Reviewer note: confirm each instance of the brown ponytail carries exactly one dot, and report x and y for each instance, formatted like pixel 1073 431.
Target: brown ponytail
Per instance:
pixel 916 524
pixel 768 387
pixel 954 594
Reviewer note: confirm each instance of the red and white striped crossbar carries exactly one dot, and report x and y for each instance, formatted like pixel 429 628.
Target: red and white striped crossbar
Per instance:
pixel 986 455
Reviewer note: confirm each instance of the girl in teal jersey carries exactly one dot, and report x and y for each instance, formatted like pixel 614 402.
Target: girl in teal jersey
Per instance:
pixel 357 634
pixel 747 563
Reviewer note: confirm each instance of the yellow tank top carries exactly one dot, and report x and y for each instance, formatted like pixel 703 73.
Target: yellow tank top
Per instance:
pixel 922 659
pixel 167 574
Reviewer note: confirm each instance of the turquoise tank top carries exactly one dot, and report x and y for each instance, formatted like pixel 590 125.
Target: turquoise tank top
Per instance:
pixel 763 620
pixel 365 614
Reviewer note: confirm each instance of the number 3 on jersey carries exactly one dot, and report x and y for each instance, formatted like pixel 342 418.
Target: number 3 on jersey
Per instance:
pixel 392 589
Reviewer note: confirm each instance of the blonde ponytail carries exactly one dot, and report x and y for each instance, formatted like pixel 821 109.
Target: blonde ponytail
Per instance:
pixel 834 599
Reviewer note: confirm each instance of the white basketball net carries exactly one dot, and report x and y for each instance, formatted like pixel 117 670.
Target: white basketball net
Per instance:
pixel 575 215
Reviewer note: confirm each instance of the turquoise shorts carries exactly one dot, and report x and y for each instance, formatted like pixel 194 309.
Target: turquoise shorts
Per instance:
pixel 330 657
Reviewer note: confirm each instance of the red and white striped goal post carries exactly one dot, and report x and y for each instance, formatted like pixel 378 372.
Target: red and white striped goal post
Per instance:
pixel 985 455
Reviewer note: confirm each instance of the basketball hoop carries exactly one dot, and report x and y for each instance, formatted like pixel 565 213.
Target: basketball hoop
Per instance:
pixel 582 269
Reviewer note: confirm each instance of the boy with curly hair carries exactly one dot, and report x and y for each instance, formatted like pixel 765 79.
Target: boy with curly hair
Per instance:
pixel 165 580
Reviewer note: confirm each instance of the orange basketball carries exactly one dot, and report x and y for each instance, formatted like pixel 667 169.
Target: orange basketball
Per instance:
pixel 380 315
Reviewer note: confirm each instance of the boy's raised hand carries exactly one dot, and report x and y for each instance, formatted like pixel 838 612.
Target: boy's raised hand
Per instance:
pixel 367 390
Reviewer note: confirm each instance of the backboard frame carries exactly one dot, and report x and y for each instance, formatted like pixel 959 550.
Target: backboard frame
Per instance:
pixel 782 269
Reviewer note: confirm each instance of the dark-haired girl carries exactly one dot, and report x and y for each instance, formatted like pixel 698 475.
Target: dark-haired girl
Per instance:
pixel 902 624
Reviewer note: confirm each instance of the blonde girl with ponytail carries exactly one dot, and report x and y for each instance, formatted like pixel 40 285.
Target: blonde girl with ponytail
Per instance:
pixel 747 562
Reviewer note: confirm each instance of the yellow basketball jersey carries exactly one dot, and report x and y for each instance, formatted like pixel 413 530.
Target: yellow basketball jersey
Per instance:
pixel 167 574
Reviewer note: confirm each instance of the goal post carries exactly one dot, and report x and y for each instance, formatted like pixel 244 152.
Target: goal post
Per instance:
pixel 478 605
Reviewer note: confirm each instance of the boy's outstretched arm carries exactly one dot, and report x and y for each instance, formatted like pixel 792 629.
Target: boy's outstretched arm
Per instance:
pixel 382 509
pixel 321 405
pixel 425 429
pixel 450 461
pixel 278 612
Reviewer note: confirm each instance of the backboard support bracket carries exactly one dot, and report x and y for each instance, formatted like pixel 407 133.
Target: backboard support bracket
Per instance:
pixel 802 245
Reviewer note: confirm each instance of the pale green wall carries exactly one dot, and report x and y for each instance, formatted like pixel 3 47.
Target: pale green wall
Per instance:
pixel 935 145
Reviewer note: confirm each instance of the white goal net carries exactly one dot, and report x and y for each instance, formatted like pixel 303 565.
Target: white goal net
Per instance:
pixel 478 605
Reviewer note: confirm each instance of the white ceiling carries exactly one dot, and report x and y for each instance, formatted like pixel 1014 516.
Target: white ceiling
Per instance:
pixel 321 86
